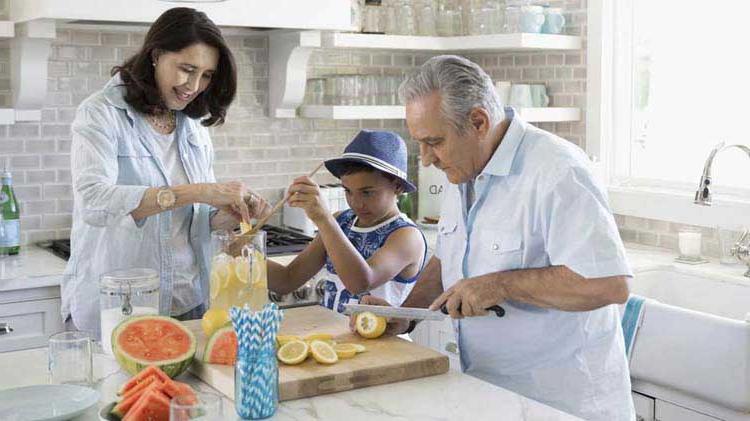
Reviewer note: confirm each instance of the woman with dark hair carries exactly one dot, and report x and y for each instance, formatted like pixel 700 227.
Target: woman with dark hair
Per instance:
pixel 142 167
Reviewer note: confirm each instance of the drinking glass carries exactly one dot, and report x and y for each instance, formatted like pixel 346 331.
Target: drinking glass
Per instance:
pixel 727 240
pixel 204 406
pixel 70 359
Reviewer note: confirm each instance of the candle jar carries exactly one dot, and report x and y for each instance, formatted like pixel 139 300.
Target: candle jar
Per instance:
pixel 256 384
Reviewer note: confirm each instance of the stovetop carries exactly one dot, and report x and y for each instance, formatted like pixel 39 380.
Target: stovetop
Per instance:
pixel 279 241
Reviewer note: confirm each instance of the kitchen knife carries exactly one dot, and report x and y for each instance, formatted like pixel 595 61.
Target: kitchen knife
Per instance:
pixel 408 312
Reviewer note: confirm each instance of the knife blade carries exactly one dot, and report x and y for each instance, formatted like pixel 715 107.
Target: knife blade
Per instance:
pixel 408 312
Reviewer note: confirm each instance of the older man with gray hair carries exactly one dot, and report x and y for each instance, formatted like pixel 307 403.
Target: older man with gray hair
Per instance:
pixel 524 224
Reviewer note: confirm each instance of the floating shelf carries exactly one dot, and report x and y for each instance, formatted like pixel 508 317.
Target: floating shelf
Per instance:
pixel 494 42
pixel 384 112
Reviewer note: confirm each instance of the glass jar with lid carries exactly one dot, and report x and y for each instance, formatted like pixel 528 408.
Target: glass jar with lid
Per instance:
pixel 125 293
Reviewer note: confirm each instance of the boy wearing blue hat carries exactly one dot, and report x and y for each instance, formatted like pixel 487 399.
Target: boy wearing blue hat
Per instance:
pixel 371 248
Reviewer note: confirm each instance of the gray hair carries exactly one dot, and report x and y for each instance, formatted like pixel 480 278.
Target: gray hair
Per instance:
pixel 462 86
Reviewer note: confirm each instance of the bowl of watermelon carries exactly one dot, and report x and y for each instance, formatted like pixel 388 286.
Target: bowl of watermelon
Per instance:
pixel 146 396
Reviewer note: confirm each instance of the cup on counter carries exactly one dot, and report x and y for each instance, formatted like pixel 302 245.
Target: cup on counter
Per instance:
pixel 520 96
pixel 727 239
pixel 532 19
pixel 554 20
pixel 689 241
pixel 203 406
pixel 539 96
pixel 70 359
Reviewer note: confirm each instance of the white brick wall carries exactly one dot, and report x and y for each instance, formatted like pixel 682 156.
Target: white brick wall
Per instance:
pixel 265 153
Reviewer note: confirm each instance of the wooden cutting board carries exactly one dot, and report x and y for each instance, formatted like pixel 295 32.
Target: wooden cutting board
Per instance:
pixel 387 360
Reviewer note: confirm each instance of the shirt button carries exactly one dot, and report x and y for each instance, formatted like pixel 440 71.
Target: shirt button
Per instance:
pixel 495 246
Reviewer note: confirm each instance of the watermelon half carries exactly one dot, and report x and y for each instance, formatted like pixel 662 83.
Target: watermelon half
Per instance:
pixel 222 347
pixel 142 341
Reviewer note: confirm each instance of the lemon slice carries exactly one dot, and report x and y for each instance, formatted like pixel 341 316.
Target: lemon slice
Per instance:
pixel 359 347
pixel 345 351
pixel 322 352
pixel 294 352
pixel 319 337
pixel 213 319
pixel 242 269
pixel 284 339
pixel 369 325
pixel 245 227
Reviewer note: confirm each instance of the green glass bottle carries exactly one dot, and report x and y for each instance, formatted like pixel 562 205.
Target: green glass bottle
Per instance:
pixel 10 224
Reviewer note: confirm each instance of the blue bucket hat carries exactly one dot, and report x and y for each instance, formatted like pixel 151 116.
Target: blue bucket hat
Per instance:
pixel 381 150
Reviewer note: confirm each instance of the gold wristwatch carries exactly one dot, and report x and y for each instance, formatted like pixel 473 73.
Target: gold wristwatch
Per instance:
pixel 165 198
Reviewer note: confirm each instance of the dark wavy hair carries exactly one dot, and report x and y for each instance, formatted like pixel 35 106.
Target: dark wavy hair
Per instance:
pixel 174 30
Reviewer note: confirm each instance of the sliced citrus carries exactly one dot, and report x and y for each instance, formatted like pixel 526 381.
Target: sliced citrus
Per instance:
pixel 284 339
pixel 345 351
pixel 359 347
pixel 294 352
pixel 242 269
pixel 319 337
pixel 369 325
pixel 322 352
pixel 245 227
pixel 213 319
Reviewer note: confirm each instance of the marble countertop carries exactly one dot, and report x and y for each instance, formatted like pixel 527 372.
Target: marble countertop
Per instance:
pixel 451 396
pixel 34 267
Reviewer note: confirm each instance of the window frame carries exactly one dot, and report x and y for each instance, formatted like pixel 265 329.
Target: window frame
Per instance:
pixel 636 197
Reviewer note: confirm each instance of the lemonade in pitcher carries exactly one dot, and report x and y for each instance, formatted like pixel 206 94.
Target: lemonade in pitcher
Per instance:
pixel 239 280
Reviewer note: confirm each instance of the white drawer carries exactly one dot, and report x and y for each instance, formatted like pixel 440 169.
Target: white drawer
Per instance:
pixel 644 407
pixel 32 322
pixel 666 411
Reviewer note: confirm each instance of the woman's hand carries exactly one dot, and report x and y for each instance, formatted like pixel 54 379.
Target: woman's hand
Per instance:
pixel 305 194
pixel 230 197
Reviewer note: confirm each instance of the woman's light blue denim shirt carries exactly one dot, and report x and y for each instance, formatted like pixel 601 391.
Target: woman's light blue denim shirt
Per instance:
pixel 113 162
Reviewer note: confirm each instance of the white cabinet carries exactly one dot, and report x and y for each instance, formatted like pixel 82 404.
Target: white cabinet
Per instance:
pixel 439 336
pixel 666 411
pixel 644 407
pixel 32 322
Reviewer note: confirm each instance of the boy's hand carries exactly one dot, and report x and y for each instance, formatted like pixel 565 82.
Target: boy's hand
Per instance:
pixel 305 194
pixel 394 327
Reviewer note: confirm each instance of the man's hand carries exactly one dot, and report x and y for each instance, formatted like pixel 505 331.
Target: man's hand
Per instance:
pixel 394 326
pixel 471 296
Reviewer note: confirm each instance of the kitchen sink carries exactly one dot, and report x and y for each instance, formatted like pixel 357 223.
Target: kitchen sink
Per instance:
pixel 693 345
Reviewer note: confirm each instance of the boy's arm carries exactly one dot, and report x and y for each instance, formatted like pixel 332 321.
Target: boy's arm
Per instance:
pixel 402 248
pixel 285 279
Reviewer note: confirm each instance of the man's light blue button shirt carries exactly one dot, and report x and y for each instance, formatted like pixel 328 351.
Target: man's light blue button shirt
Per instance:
pixel 536 204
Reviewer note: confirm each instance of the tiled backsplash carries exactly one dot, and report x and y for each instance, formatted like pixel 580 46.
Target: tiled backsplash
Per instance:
pixel 263 152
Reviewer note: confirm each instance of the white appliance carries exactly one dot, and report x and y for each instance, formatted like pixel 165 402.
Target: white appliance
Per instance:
pixel 432 182
pixel 295 218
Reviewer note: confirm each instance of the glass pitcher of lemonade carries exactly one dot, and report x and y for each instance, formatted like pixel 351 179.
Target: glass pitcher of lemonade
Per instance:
pixel 238 280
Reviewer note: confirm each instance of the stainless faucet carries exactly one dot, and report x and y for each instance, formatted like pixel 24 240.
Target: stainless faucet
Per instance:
pixel 741 249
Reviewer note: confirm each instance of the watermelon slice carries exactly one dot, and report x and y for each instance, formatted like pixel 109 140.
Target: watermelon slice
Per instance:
pixel 222 347
pixel 144 375
pixel 141 341
pixel 130 399
pixel 152 406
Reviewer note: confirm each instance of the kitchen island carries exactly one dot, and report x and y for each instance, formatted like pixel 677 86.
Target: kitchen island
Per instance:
pixel 450 396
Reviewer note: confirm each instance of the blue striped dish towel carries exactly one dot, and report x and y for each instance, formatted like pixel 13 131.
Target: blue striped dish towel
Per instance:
pixel 631 321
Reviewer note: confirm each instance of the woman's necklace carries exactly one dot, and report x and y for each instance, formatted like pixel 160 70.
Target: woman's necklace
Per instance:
pixel 164 123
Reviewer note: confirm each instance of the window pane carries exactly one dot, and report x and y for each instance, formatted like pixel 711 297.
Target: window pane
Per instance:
pixel 690 90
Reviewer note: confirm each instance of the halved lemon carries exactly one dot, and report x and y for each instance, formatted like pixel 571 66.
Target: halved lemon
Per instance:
pixel 323 352
pixel 284 339
pixel 293 352
pixel 345 351
pixel 369 325
pixel 213 319
pixel 318 337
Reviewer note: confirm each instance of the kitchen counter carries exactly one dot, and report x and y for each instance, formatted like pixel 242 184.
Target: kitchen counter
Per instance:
pixel 34 267
pixel 451 396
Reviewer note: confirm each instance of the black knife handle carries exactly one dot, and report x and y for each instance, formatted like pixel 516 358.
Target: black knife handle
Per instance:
pixel 499 311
